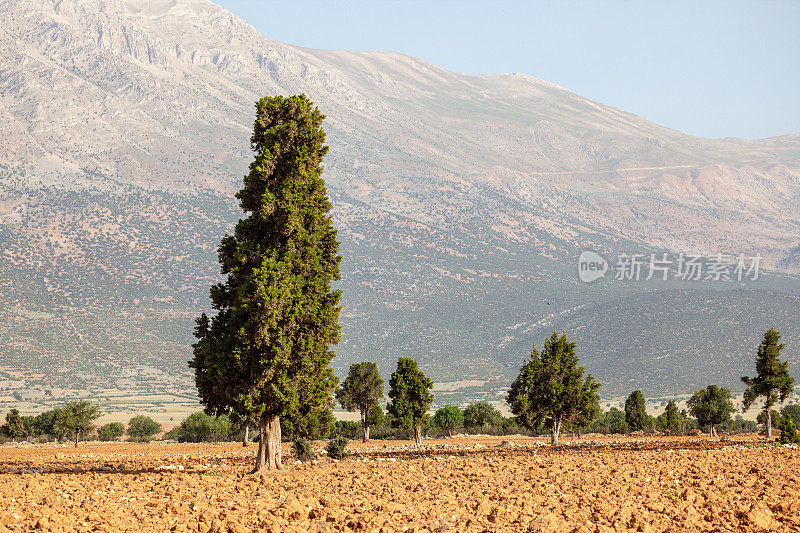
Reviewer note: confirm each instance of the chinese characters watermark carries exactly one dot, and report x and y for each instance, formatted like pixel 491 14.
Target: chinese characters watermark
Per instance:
pixel 682 267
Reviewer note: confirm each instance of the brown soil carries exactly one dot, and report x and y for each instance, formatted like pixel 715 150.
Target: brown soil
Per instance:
pixel 461 484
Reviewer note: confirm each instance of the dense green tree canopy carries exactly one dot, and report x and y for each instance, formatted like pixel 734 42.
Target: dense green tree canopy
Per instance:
pixel 711 406
pixel 671 420
pixel 141 428
pixel 635 411
pixel 552 390
pixel 111 431
pixel 267 350
pixel 14 428
pixel 409 392
pixel 772 380
pixel 77 418
pixel 361 390
pixel 448 418
pixel 482 415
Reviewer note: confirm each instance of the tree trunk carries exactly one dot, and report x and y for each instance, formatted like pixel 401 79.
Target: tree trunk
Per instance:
pixel 418 435
pixel 366 433
pixel 364 425
pixel 269 444
pixel 712 432
pixel 246 440
pixel 76 438
pixel 768 422
pixel 556 431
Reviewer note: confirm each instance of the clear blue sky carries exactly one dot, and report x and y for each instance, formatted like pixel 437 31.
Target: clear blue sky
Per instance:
pixel 709 68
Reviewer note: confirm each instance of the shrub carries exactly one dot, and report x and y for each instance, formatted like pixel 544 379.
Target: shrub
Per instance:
pixel 110 431
pixel 337 448
pixel 141 428
pixel 789 433
pixel 303 450
pixel 349 429
pixel 610 422
pixel 200 427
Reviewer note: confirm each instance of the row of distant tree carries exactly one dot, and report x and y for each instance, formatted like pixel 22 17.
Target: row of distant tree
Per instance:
pixel 75 421
pixel 550 395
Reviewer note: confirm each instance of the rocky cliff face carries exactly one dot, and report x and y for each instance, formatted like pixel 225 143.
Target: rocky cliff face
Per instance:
pixel 462 200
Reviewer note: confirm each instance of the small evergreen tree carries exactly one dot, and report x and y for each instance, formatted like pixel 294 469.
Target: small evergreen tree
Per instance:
pixel 77 418
pixel 772 381
pixel 482 415
pixel 111 431
pixel 267 350
pixel 376 418
pixel 303 450
pixel 14 428
pixel 361 390
pixel 671 420
pixel 552 390
pixel 636 412
pixel 793 411
pixel 409 392
pixel 448 418
pixel 337 448
pixel 141 428
pixel 711 406
pixel 789 433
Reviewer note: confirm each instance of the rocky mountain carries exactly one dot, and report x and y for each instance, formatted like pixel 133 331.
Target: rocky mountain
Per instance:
pixel 462 201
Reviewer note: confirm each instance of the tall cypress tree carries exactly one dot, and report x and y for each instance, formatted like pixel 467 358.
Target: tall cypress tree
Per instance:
pixel 409 391
pixel 267 350
pixel 636 411
pixel 772 381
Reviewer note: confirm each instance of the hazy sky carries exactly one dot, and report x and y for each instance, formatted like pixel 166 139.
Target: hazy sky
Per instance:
pixel 716 69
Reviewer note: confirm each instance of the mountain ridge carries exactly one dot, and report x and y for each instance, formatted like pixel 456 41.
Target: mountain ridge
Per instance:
pixel 462 201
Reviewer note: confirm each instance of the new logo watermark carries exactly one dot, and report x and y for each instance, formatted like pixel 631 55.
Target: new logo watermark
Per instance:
pixel 591 266
pixel 682 267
